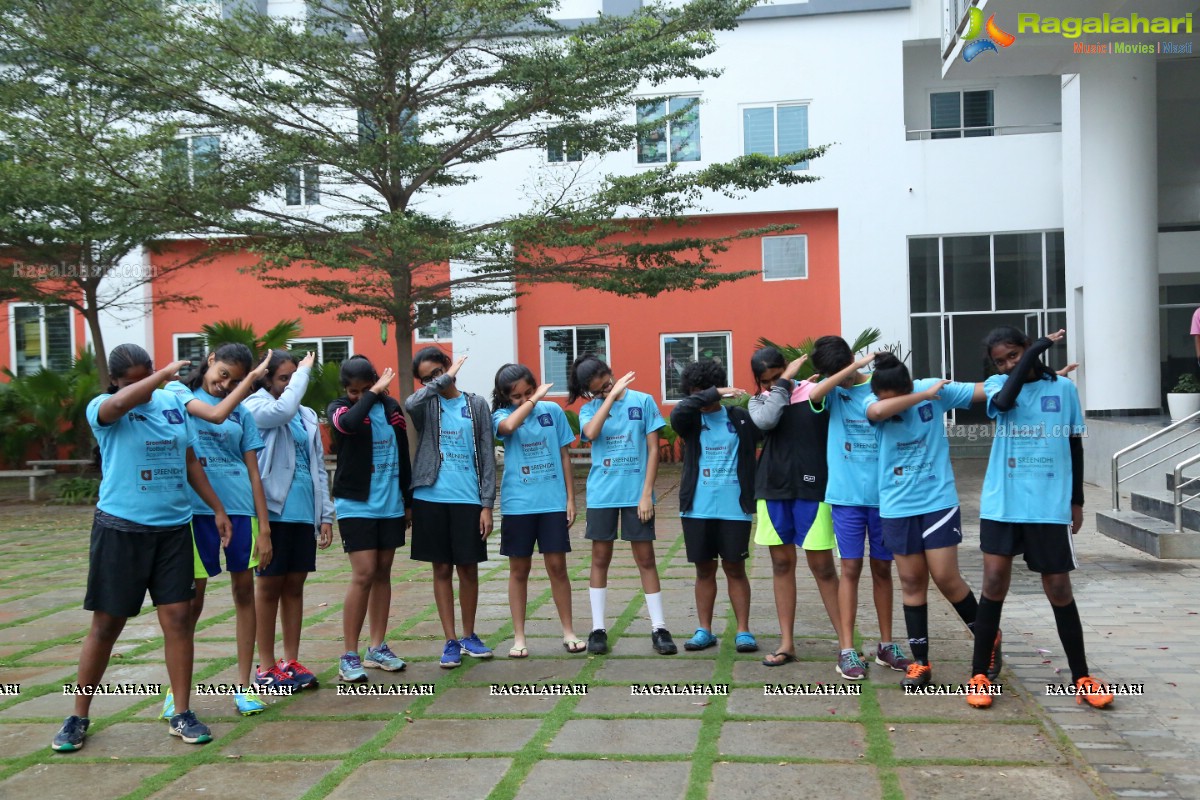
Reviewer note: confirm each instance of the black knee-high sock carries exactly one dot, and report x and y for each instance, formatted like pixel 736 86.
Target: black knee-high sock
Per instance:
pixel 987 622
pixel 1070 633
pixel 916 619
pixel 967 609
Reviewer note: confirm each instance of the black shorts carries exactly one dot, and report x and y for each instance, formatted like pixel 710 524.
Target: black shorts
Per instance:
pixel 518 532
pixel 123 566
pixel 293 548
pixel 706 539
pixel 370 533
pixel 1049 548
pixel 602 525
pixel 447 533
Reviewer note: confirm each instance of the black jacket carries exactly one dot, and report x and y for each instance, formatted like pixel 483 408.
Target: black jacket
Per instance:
pixel 686 420
pixel 352 479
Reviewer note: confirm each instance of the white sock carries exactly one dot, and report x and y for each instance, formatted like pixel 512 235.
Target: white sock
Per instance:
pixel 598 597
pixel 654 606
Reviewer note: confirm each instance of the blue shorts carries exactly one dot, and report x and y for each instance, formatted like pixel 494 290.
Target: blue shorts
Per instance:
pixel 853 526
pixel 519 532
pixel 206 545
pixel 907 536
pixel 792 519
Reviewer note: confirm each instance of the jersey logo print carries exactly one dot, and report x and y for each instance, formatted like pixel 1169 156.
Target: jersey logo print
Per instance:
pixel 173 416
pixel 1051 404
pixel 236 417
pixel 545 421
pixel 925 412
pixel 635 413
pixel 729 427
pixel 466 412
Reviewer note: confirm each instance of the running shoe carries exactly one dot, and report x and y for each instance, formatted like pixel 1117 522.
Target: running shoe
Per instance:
pixel 977 692
pixel 277 676
pixel 168 709
pixel 383 658
pixel 745 642
pixel 350 669
pixel 701 640
pixel 917 675
pixel 997 659
pixel 71 735
pixel 298 674
pixel 598 642
pixel 1090 689
pixel 474 648
pixel 190 729
pixel 451 654
pixel 664 645
pixel 248 703
pixel 851 667
pixel 891 656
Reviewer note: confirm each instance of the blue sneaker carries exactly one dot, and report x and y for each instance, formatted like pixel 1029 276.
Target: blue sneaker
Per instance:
pixel 350 669
pixel 383 658
pixel 71 735
pixel 168 709
pixel 701 640
pixel 248 703
pixel 451 654
pixel 190 729
pixel 473 647
pixel 745 642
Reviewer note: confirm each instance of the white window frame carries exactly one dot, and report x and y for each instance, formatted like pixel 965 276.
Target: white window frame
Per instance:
pixel 962 129
pixel 564 143
pixel 763 267
pixel 557 391
pixel 803 165
pixel 637 101
pixel 12 333
pixel 175 337
pixel 695 336
pixel 191 153
pixel 417 328
pixel 317 343
pixel 301 173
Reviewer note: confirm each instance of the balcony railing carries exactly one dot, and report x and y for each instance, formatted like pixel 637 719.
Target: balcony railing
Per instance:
pixel 981 132
pixel 953 14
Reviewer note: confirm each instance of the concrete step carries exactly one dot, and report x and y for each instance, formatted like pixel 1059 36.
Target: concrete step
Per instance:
pixel 1161 505
pixel 1150 535
pixel 1190 475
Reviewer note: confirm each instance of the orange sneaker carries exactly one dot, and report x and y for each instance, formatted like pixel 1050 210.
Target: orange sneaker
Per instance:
pixel 1090 689
pixel 917 675
pixel 977 692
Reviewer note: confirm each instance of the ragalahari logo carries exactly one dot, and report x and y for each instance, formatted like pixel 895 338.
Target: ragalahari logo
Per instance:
pixel 975 44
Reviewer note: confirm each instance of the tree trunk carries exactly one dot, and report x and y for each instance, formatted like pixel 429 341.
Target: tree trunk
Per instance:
pixel 92 315
pixel 404 357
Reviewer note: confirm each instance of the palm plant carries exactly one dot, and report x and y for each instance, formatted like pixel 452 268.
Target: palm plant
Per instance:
pixel 274 338
pixel 48 409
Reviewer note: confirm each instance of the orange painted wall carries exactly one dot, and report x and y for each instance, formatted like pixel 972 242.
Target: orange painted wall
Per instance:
pixel 785 311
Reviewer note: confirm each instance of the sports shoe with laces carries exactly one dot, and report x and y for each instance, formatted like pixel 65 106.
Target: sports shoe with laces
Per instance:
pixel 350 669
pixel 997 659
pixel 663 644
pixel 598 642
pixel 168 709
pixel 276 676
pixel 248 703
pixel 71 735
pixel 190 729
pixel 472 646
pixel 851 667
pixel 977 692
pixel 891 656
pixel 383 658
pixel 917 675
pixel 451 654
pixel 1090 689
pixel 299 674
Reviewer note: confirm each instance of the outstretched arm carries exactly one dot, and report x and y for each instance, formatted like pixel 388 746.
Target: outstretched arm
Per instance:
pixel 221 411
pixel 119 404
pixel 832 381
pixel 885 409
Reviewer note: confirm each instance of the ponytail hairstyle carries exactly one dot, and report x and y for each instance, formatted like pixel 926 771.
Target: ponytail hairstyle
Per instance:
pixel 1006 334
pixel 706 374
pixel 890 375
pixel 278 359
pixel 358 368
pixel 228 353
pixel 507 377
pixel 765 359
pixel 435 354
pixel 584 370
pixel 121 359
pixel 831 355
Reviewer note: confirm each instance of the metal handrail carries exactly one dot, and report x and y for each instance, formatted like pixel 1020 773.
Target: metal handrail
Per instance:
pixel 1116 459
pixel 925 134
pixel 1179 501
pixel 1161 461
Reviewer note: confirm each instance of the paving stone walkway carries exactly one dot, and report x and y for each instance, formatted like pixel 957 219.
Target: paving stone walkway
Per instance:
pixel 464 741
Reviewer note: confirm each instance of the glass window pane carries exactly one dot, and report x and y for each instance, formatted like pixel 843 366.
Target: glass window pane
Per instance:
pixel 558 351
pixel 291 190
pixel 926 355
pixel 784 257
pixel 1018 270
pixel 967 264
pixel 758 131
pixel 60 350
pixel 190 348
pixel 175 161
pixel 685 130
pixel 924 282
pixel 206 156
pixel 367 129
pixel 678 352
pixel 977 112
pixel 713 348
pixel 312 185
pixel 27 325
pixel 652 144
pixel 1056 356
pixel 793 131
pixel 591 340
pixel 336 350
pixel 1056 271
pixel 945 112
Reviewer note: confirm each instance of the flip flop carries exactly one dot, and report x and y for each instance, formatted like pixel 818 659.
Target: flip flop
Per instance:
pixel 788 658
pixel 574 645
pixel 519 652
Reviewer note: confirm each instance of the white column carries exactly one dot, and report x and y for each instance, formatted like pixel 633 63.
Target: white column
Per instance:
pixel 490 340
pixel 1110 204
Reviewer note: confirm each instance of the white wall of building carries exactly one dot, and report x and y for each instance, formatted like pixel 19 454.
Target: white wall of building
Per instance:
pixel 1178 121
pixel 130 320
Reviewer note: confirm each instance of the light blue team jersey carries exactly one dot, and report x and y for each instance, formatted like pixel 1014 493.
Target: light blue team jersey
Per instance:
pixel 144 460
pixel 221 450
pixel 458 478
pixel 915 476
pixel 533 481
pixel 384 500
pixel 619 455
pixel 718 493
pixel 1029 471
pixel 300 502
pixel 852 453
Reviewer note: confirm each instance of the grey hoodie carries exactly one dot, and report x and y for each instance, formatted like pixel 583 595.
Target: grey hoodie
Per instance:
pixel 426 414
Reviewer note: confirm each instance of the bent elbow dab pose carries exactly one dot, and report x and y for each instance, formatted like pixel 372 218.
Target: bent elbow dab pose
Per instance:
pixel 140 536
pixel 292 469
pixel 716 495
pixel 852 456
pixel 622 426
pixel 791 481
pixel 918 501
pixel 228 445
pixel 454 489
pixel 372 495
pixel 537 496
pixel 1032 501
